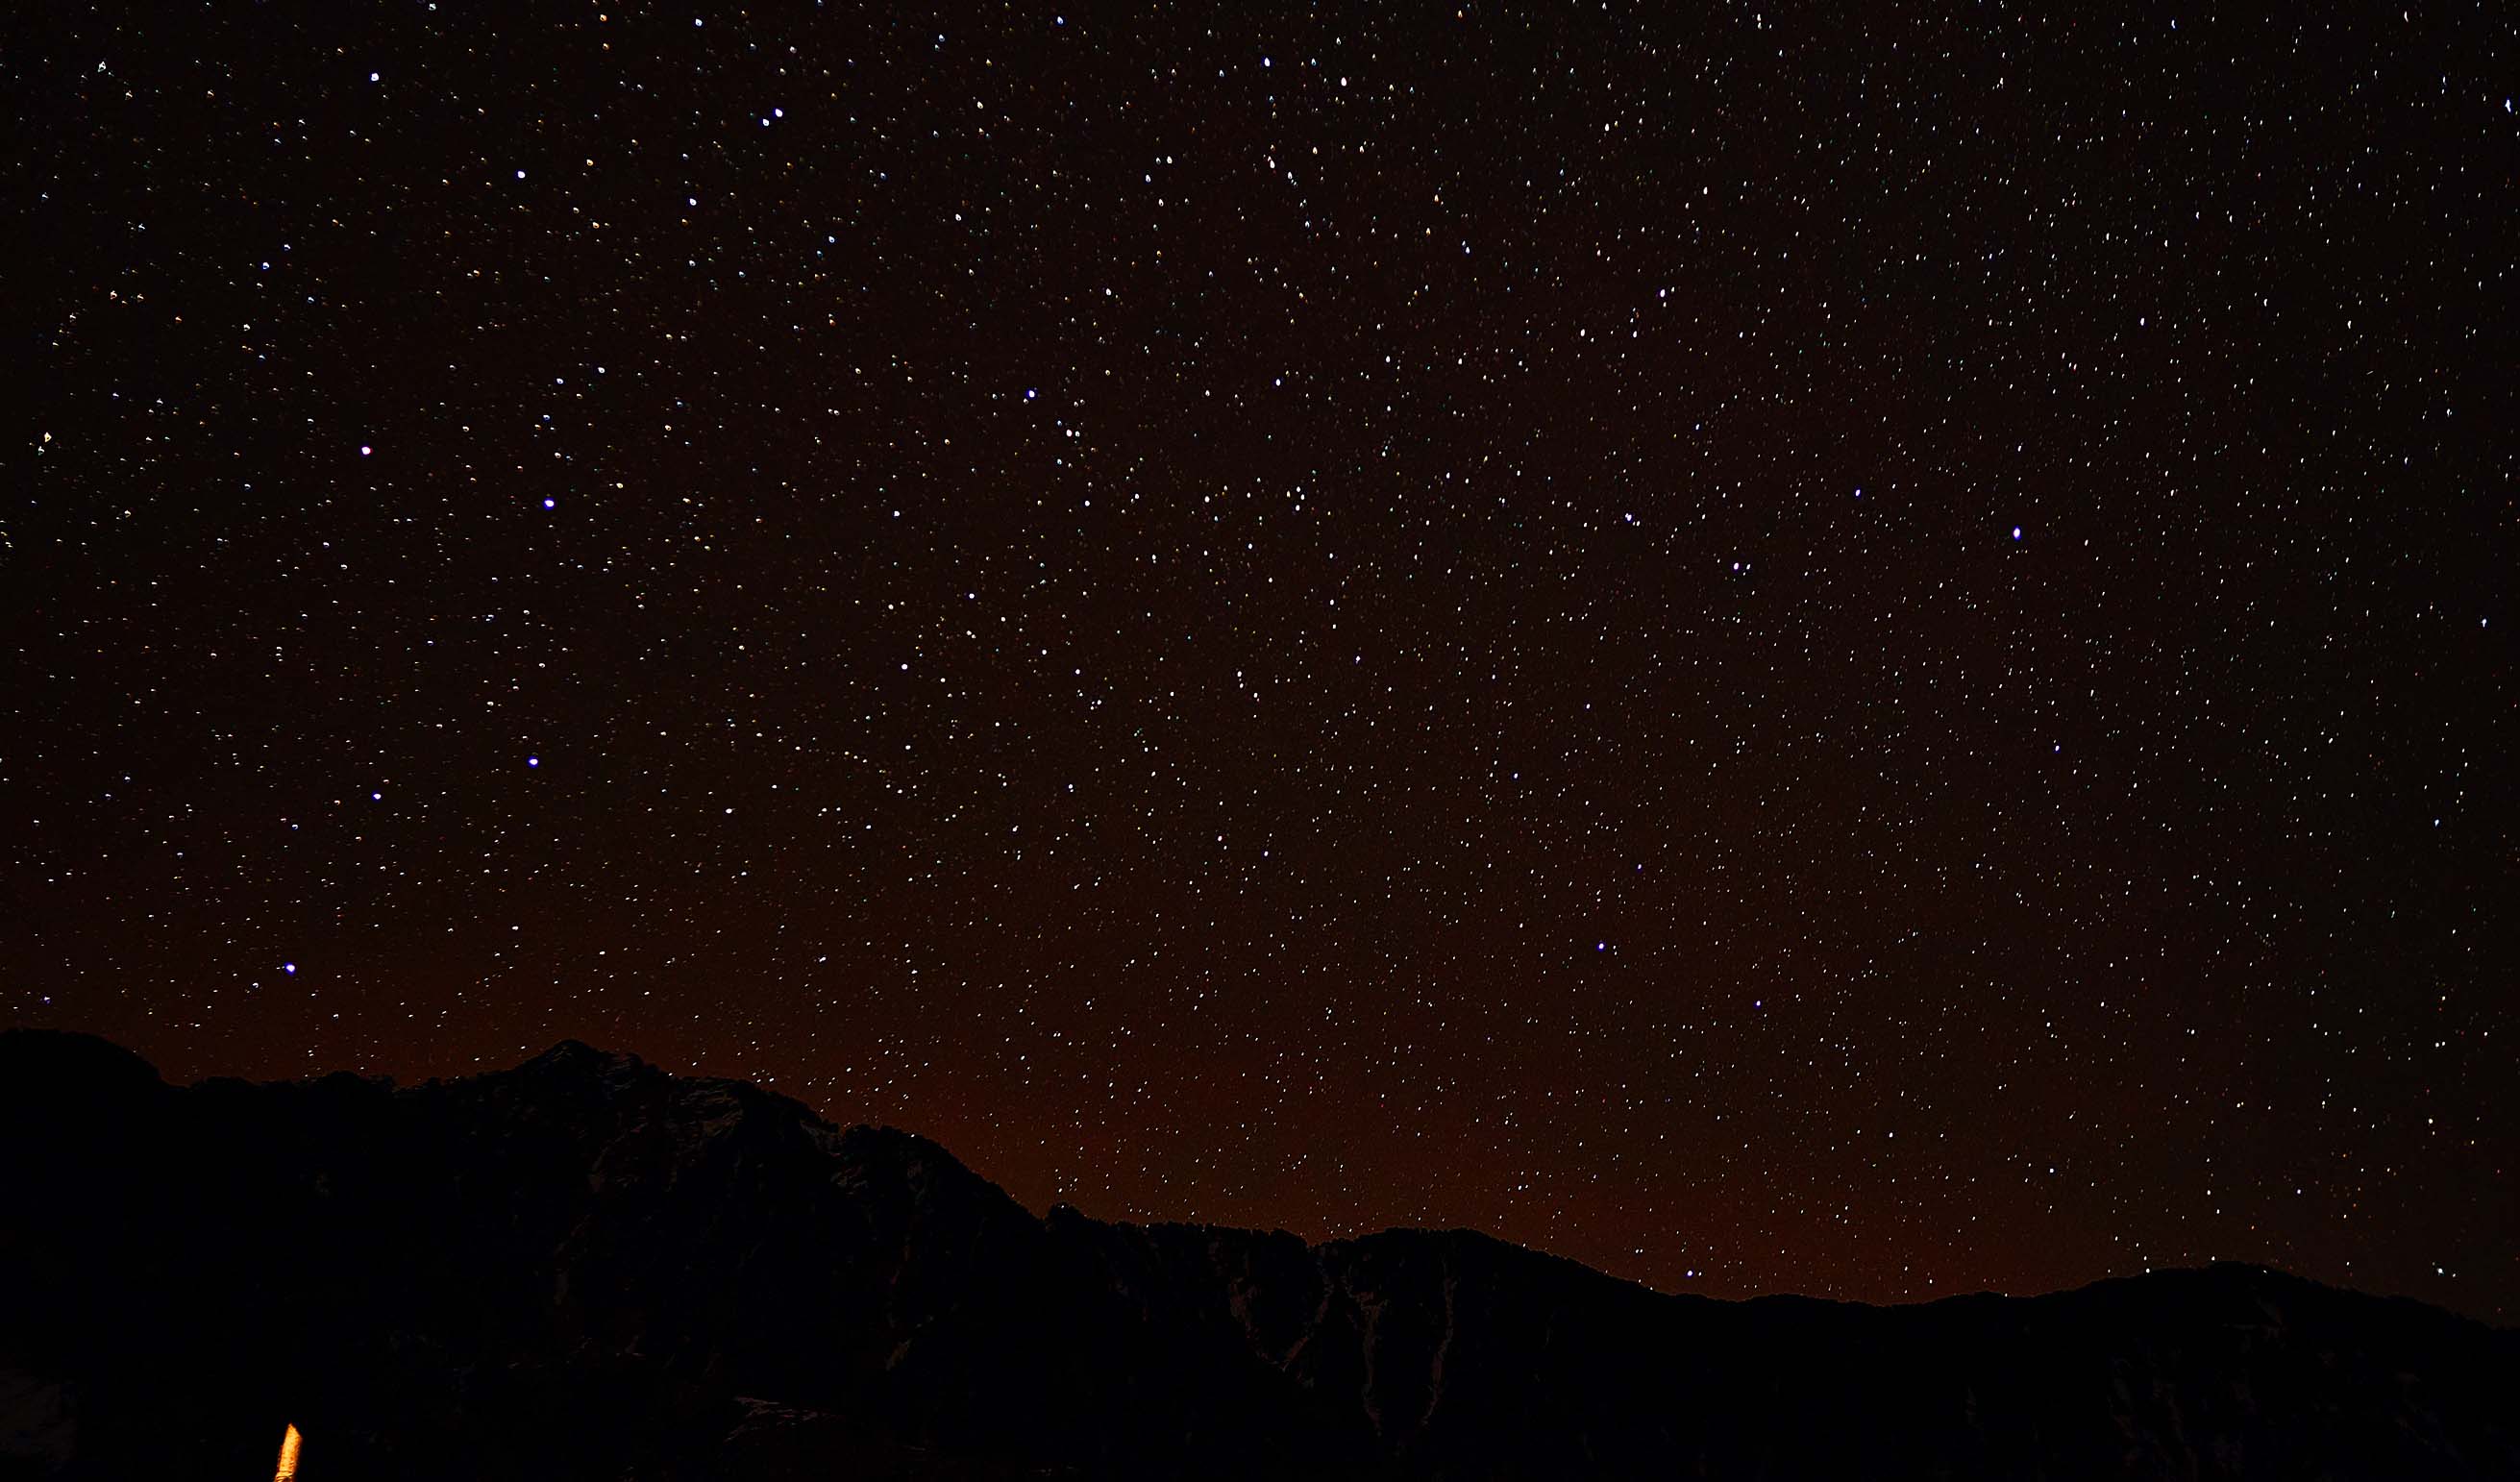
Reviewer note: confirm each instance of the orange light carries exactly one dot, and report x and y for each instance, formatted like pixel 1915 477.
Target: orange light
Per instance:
pixel 287 1457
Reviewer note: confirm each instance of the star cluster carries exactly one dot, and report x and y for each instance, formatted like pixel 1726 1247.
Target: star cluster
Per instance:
pixel 1776 648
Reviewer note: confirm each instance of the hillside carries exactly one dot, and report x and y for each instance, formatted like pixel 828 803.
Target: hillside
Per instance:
pixel 586 1266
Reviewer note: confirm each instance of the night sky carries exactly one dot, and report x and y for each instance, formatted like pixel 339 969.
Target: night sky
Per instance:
pixel 1839 651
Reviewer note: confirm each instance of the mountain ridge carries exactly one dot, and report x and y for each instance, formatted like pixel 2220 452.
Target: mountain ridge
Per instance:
pixel 585 1265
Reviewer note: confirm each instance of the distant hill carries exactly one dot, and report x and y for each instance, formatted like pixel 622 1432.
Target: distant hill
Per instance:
pixel 585 1267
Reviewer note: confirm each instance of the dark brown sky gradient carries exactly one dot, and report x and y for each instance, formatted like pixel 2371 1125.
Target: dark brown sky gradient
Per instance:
pixel 1771 651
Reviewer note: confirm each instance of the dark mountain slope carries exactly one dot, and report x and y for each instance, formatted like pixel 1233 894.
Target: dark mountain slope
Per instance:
pixel 585 1267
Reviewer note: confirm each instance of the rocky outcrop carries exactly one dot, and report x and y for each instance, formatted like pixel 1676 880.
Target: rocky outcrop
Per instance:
pixel 586 1266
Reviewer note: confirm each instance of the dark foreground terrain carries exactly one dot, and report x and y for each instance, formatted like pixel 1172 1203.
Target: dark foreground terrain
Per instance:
pixel 587 1268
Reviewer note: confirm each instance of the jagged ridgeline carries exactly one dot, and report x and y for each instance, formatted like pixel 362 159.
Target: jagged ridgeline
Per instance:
pixel 587 1268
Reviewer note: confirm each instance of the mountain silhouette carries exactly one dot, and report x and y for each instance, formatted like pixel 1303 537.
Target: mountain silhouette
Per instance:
pixel 586 1266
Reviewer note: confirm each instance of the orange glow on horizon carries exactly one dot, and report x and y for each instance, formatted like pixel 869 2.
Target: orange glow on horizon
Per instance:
pixel 287 1457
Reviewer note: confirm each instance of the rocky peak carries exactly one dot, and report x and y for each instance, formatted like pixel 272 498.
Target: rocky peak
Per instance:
pixel 587 1266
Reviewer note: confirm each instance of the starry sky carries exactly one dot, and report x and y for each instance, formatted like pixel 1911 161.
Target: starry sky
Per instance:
pixel 1860 650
